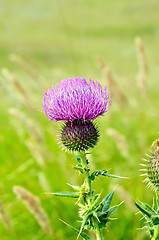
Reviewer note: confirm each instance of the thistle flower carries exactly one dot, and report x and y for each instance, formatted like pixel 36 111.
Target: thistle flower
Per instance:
pixel 152 167
pixel 151 214
pixel 77 103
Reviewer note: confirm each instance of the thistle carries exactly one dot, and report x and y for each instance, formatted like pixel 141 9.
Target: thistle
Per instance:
pixel 153 167
pixel 77 103
pixel 151 214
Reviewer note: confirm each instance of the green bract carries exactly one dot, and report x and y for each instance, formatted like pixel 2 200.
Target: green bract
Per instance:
pixel 79 135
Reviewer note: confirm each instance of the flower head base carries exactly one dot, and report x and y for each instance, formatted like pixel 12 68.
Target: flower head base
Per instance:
pixel 79 135
pixel 153 171
pixel 152 175
pixel 73 99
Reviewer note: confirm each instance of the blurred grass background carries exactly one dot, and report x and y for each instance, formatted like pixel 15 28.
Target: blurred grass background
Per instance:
pixel 42 42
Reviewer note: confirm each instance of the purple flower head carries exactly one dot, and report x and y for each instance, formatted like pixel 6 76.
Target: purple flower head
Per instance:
pixel 73 99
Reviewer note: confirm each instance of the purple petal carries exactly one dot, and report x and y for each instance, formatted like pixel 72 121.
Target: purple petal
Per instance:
pixel 76 99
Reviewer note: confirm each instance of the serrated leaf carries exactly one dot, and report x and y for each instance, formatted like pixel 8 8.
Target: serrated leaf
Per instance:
pixel 67 194
pixel 102 172
pixel 106 202
pixel 82 234
pixel 143 210
pixel 111 175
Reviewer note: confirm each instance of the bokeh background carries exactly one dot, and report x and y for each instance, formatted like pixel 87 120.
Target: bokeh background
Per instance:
pixel 42 42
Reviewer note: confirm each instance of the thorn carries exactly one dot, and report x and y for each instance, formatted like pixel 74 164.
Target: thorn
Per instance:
pixel 137 212
pixel 143 165
pixel 144 159
pixel 63 221
pixel 148 156
pixel 121 203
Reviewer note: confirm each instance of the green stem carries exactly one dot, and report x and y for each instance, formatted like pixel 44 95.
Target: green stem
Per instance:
pixel 85 167
pixel 156 231
pixel 83 158
pixel 97 229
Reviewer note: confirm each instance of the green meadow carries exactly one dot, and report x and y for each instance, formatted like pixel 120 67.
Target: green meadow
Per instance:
pixel 42 42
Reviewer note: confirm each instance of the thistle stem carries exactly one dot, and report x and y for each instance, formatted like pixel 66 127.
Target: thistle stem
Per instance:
pixel 84 163
pixel 97 229
pixel 86 169
pixel 156 231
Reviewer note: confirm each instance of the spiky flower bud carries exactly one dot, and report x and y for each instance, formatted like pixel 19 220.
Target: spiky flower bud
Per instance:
pixel 153 171
pixel 153 167
pixel 79 135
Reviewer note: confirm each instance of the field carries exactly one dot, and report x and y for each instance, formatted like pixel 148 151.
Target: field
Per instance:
pixel 42 42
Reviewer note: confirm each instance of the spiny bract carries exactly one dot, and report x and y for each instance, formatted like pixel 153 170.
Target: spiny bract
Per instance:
pixel 79 135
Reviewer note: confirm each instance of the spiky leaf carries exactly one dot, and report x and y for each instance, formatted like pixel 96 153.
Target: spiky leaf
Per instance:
pixel 67 194
pixel 102 172
pixel 143 210
pixel 106 202
pixel 82 234
pixel 77 188
pixel 83 224
pixel 148 208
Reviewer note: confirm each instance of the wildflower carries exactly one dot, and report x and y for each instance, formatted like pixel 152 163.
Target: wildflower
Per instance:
pixel 77 103
pixel 152 168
